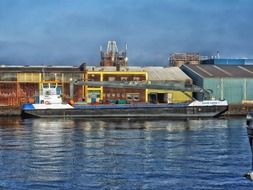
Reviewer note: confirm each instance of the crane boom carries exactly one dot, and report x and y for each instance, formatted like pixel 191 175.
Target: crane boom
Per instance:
pixel 158 85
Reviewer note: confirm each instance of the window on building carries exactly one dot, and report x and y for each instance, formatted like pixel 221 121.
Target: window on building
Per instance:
pixel 58 76
pixel 49 76
pixel 129 97
pixel 136 78
pixel 133 97
pixel 28 77
pixel 52 85
pixel 73 76
pixel 8 77
pixel 45 85
pixel 77 76
pixel 123 78
pixel 136 97
pixel 111 78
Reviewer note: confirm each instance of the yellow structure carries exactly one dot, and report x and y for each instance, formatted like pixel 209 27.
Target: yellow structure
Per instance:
pixel 169 96
pixel 97 94
pixel 161 74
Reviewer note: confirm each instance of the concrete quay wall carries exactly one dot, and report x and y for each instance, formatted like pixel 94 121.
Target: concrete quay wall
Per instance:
pixel 239 110
pixel 10 111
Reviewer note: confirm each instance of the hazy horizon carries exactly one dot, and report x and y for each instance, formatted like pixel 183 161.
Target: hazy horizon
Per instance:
pixel 64 32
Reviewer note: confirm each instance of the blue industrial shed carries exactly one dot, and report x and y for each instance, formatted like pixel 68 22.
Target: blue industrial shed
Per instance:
pixel 222 61
pixel 231 82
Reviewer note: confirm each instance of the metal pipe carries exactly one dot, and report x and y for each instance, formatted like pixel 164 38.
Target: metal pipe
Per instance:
pixel 71 88
pixel 166 85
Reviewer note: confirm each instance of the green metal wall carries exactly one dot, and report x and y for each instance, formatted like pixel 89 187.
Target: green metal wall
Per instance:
pixel 214 85
pixel 249 92
pixel 234 90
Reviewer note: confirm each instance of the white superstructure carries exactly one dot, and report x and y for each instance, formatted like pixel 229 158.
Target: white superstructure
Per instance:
pixel 50 94
pixel 209 103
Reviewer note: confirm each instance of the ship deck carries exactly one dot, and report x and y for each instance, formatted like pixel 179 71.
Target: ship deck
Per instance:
pixel 127 106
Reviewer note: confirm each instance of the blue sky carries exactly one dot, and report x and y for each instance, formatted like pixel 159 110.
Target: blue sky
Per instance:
pixel 69 32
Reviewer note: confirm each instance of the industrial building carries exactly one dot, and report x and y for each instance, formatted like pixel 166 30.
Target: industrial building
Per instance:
pixel 106 94
pixel 20 84
pixel 112 56
pixel 231 82
pixel 227 61
pixel 158 74
pixel 178 59
pixel 161 74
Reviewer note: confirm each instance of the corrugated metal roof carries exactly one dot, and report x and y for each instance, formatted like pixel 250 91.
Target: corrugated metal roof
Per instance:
pixel 154 73
pixel 212 71
pixel 164 74
pixel 38 68
pixel 228 61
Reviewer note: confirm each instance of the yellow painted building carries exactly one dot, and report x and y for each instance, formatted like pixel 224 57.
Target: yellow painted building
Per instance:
pixel 168 96
pixel 98 94
pixel 106 94
pixel 161 74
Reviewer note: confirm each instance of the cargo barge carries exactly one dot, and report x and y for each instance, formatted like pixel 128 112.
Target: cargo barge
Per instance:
pixel 195 109
pixel 51 105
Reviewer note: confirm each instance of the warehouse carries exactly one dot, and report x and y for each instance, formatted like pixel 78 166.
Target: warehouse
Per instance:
pixel 231 82
pixel 227 61
pixel 178 59
pixel 20 84
pixel 161 74
pixel 157 74
pixel 94 94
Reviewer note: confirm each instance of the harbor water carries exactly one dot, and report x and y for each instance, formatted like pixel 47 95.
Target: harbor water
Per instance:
pixel 78 154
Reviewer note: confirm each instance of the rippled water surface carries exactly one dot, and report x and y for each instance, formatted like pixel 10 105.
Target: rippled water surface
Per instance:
pixel 79 154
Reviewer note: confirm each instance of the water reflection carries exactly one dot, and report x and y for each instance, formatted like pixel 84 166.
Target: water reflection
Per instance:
pixel 78 154
pixel 50 145
pixel 10 121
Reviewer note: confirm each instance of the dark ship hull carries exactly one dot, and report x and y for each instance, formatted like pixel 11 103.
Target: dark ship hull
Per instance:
pixel 145 111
